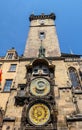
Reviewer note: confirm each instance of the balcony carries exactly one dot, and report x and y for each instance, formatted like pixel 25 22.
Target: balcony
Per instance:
pixel 21 93
pixel 21 97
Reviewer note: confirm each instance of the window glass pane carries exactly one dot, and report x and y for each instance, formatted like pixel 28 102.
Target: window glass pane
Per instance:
pixel 12 67
pixel 42 35
pixel 35 70
pixel 74 77
pixel 8 85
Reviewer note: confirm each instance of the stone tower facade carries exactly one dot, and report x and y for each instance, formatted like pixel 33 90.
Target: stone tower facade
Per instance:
pixel 42 29
pixel 41 90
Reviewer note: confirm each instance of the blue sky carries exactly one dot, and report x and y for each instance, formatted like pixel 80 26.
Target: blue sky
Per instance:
pixel 14 23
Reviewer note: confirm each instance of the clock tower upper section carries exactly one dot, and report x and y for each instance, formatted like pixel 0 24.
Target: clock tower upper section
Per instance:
pixel 42 34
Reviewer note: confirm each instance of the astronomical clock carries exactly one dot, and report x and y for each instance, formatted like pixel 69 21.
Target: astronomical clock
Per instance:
pixel 39 87
pixel 39 114
pixel 39 107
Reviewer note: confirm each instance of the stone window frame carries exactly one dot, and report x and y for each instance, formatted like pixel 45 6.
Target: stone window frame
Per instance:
pixel 40 31
pixel 8 84
pixel 75 77
pixel 13 68
pixel 42 35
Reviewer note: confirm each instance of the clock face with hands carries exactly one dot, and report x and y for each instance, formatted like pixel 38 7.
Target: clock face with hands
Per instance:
pixel 39 87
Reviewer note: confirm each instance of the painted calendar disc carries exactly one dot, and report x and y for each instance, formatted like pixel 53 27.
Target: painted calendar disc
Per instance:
pixel 39 114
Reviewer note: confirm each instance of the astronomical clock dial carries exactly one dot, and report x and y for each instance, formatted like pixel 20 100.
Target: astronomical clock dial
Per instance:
pixel 39 87
pixel 39 114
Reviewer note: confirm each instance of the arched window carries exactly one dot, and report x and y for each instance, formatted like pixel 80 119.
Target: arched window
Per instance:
pixel 40 67
pixel 74 77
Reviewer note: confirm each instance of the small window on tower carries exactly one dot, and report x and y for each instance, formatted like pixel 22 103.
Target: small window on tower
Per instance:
pixel 42 35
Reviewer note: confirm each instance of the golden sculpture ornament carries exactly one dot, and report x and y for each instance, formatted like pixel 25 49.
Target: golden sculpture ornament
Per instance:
pixel 40 87
pixel 39 114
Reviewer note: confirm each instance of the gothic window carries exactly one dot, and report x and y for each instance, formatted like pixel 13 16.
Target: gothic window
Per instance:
pixel 12 67
pixel 8 84
pixel 42 35
pixel 74 77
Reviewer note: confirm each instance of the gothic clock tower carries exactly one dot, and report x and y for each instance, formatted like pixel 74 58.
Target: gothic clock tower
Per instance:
pixel 42 28
pixel 40 107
